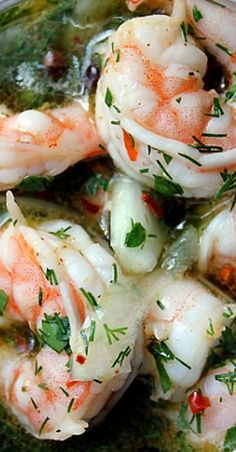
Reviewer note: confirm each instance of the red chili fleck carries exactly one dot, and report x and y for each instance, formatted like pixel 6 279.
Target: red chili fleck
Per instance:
pixel 93 208
pixel 153 205
pixel 233 57
pixel 197 402
pixel 226 272
pixel 80 359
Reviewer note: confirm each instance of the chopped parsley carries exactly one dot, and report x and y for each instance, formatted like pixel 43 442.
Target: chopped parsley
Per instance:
pixel 112 333
pixel 108 98
pixel 136 236
pixel 95 183
pixel 197 15
pixel 34 184
pixel 55 332
pixel 167 187
pixel 3 301
pixel 230 439
pixel 161 352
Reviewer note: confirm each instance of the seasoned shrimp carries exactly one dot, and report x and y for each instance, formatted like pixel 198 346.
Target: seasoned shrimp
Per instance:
pixel 159 123
pixel 44 143
pixel 217 391
pixel 66 288
pixel 217 252
pixel 184 321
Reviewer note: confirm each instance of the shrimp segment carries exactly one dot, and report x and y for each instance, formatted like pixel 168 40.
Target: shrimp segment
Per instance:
pixel 44 143
pixel 177 331
pixel 154 75
pixel 55 279
pixel 218 248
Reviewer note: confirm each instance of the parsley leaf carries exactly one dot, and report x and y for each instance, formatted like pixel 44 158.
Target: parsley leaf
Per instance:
pixel 108 98
pixel 56 332
pixel 95 182
pixel 197 15
pixel 230 439
pixel 167 187
pixel 34 184
pixel 3 301
pixel 136 236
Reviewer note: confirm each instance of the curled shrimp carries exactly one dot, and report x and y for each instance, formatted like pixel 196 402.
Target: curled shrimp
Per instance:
pixel 159 123
pixel 184 321
pixel 44 143
pixel 65 287
pixel 217 251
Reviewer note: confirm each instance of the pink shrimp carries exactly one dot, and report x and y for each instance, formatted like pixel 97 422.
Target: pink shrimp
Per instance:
pixel 45 143
pixel 50 280
pixel 134 4
pixel 179 131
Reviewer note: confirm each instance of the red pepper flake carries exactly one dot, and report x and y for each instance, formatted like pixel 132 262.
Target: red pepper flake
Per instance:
pixel 197 402
pixel 226 272
pixel 129 145
pixel 233 57
pixel 153 205
pixel 87 205
pixel 80 359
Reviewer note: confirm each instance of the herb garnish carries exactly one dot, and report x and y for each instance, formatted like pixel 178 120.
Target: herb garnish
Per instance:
pixel 64 391
pixel 86 342
pixel 231 93
pixel 43 424
pixel 197 15
pixel 187 157
pixel 40 296
pixel 205 148
pixel 3 301
pixel 70 405
pixel 164 170
pixel 230 439
pixel 184 29
pixel 62 233
pixel 160 305
pixel 121 357
pixel 136 236
pixel 210 330
pixel 229 183
pixel 37 368
pixel 112 333
pixel 115 273
pixel 92 331
pixel 95 183
pixel 217 109
pixel 221 47
pixel 34 184
pixel 56 332
pixel 167 187
pixel 108 98
pixel 90 298
pixel 33 403
pixel 51 276
pixel 229 378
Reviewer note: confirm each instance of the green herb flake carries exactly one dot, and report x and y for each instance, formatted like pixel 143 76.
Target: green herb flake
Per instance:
pixel 92 331
pixel 96 182
pixel 3 301
pixel 43 386
pixel 210 329
pixel 187 157
pixel 160 305
pixel 225 49
pixel 43 425
pixel 112 333
pixel 33 403
pixel 229 183
pixel 229 313
pixel 178 100
pixel 37 368
pixel 62 233
pixel 230 439
pixel 64 391
pixel 167 187
pixel 184 29
pixel 118 56
pixel 70 405
pixel 34 184
pixel 85 340
pixel 121 357
pixel 51 276
pixel 229 378
pixel 115 273
pixel 164 170
pixel 90 298
pixel 56 332
pixel 197 15
pixel 136 236
pixel 108 98
pixel 115 123
pixel 144 170
pixel 165 380
pixel 40 296
pixel 230 93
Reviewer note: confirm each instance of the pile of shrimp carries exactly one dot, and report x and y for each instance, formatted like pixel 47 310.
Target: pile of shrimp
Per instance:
pixel 151 299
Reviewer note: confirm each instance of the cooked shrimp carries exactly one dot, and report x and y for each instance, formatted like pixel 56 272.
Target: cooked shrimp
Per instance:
pixel 44 143
pixel 184 321
pixel 159 124
pixel 217 252
pixel 66 288
pixel 220 412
